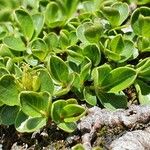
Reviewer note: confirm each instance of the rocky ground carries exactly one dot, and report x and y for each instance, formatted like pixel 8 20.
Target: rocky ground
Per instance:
pixel 119 130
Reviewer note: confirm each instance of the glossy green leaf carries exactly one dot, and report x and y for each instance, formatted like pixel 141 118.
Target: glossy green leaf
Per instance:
pixel 112 15
pixel 35 104
pixel 144 86
pixel 54 15
pixel 75 54
pixel 26 23
pixel 60 91
pixel 71 101
pixel 112 55
pixel 123 9
pixel 58 69
pixel 112 101
pixel 73 38
pixel 56 110
pixel 119 49
pixel 8 114
pixel 5 51
pixel 67 126
pixel 38 22
pixel 117 44
pixel 85 70
pixel 78 147
pixel 3 71
pixel 93 53
pixel 127 50
pixel 39 48
pixel 64 39
pixel 46 83
pixel 99 74
pixel 8 90
pixel 70 6
pixel 117 13
pixel 81 30
pixel 143 44
pixel 119 79
pixel 51 40
pixel 90 97
pixel 72 112
pixel 140 21
pixel 93 33
pixel 143 69
pixel 143 91
pixel 14 43
pixel 3 31
pixel 24 123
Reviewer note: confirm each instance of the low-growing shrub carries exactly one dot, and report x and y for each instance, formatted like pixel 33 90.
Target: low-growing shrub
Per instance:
pixel 56 56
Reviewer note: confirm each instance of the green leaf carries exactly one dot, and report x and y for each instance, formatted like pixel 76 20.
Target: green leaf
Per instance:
pixel 99 74
pixel 75 54
pixel 119 79
pixel 54 15
pixel 25 22
pixel 64 39
pixel 112 101
pixel 67 126
pixel 35 104
pixel 8 114
pixel 143 44
pixel 45 81
pixel 14 43
pixel 51 40
pixel 143 91
pixel 72 112
pixel 58 69
pixel 119 49
pixel 89 97
pixel 127 50
pixel 140 21
pixel 61 91
pixel 73 38
pixel 93 53
pixel 56 110
pixel 3 71
pixel 85 70
pixel 144 86
pixel 123 9
pixel 5 51
pixel 78 147
pixel 38 22
pixel 144 24
pixel 93 33
pixel 143 69
pixel 71 101
pixel 39 48
pixel 117 44
pixel 112 55
pixel 70 6
pixel 117 13
pixel 8 90
pixel 112 15
pixel 24 123
pixel 80 31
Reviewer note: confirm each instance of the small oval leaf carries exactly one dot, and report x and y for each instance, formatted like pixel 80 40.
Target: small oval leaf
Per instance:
pixel 119 79
pixel 25 22
pixel 14 43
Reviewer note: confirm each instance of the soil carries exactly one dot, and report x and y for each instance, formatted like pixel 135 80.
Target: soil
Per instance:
pixel 93 130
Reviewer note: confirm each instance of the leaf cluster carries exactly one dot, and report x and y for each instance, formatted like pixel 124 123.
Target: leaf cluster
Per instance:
pixel 55 55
